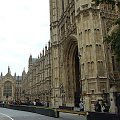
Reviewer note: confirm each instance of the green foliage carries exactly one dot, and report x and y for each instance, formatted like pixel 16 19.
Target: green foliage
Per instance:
pixel 114 40
pixel 112 2
pixel 104 1
pixel 118 22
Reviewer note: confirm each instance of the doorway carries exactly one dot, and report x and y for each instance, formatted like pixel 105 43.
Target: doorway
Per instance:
pixel 73 74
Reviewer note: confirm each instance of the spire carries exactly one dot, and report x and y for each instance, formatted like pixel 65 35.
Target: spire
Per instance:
pixel 30 61
pixel 15 75
pixel 46 48
pixel 30 58
pixel 23 74
pixel 24 71
pixel 1 74
pixel 9 70
pixel 49 44
pixel 43 52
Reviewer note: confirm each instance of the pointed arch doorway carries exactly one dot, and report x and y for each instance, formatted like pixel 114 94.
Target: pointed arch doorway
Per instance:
pixel 72 70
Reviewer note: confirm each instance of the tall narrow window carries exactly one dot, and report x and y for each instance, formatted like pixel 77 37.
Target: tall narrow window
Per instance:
pixel 100 66
pixel 63 5
pixel 7 89
pixel 113 63
pixel 92 69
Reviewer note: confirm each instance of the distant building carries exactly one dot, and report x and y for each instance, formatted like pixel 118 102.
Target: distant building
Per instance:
pixel 10 87
pixel 36 84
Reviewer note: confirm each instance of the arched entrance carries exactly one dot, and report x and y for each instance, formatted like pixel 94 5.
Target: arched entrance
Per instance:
pixel 77 79
pixel 72 68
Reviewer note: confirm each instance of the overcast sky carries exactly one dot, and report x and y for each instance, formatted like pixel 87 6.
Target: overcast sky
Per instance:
pixel 24 30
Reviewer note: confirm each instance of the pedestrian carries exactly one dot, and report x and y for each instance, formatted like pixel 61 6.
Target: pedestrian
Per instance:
pixel 34 103
pixel 97 107
pixel 105 107
pixel 81 105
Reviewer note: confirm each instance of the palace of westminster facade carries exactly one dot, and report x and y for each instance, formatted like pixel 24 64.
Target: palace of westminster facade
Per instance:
pixel 76 64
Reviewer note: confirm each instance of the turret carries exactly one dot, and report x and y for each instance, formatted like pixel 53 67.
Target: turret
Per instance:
pixel 15 76
pixel 30 61
pixel 49 45
pixel 1 75
pixel 23 74
pixel 45 49
pixel 9 72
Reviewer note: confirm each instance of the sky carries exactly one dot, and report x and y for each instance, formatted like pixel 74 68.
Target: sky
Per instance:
pixel 24 30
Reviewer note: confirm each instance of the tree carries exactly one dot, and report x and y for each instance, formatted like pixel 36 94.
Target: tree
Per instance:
pixel 114 39
pixel 104 1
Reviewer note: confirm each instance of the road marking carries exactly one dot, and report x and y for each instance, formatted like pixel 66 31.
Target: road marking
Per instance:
pixel 7 116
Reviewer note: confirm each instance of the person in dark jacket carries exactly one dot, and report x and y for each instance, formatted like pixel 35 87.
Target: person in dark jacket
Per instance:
pixel 105 107
pixel 97 107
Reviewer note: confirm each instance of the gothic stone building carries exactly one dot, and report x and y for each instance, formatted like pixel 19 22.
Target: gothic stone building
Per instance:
pixel 83 66
pixel 78 64
pixel 10 87
pixel 36 84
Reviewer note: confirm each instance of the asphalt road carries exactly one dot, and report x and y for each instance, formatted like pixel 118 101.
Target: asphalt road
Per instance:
pixel 9 114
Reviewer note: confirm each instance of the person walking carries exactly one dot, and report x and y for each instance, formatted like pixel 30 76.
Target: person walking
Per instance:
pixel 81 105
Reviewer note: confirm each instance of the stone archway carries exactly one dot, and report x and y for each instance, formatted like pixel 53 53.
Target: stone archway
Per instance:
pixel 72 73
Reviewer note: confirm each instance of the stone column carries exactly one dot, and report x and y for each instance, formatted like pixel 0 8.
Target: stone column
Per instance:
pixel 87 103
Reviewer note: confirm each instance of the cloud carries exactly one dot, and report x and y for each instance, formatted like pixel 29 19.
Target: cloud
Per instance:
pixel 24 30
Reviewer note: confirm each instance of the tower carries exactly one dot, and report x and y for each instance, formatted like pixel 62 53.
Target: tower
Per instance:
pixel 92 53
pixel 54 10
pixel 9 72
pixel 23 74
pixel 30 62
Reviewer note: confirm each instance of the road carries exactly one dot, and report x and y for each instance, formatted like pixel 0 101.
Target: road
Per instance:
pixel 9 114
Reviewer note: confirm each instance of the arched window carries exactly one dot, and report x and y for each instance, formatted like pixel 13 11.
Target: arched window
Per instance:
pixel 7 89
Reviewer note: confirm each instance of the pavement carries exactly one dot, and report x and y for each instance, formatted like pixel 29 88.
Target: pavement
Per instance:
pixel 9 114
